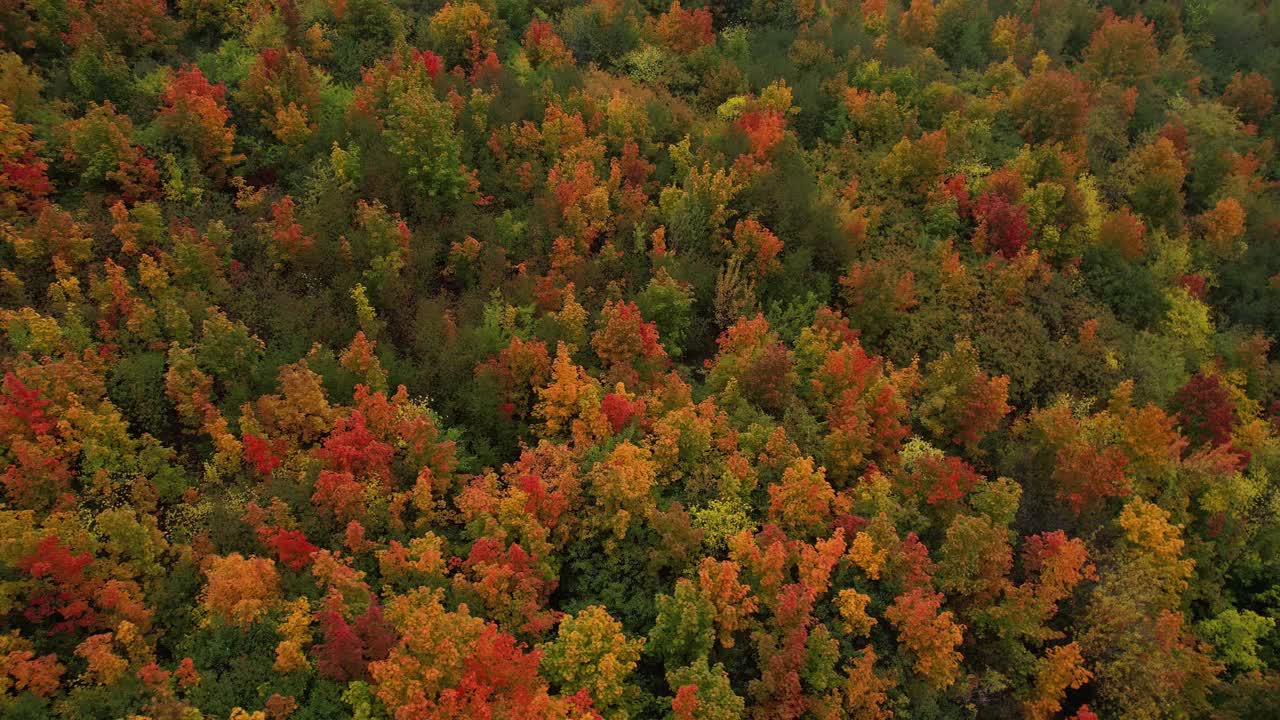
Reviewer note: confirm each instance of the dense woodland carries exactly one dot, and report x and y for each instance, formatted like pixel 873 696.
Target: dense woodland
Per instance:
pixel 765 359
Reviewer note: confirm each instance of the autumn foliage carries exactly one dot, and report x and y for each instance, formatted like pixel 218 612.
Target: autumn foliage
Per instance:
pixel 604 360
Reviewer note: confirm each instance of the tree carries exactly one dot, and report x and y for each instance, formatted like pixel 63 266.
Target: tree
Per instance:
pixel 964 29
pixel 942 480
pixel 1122 50
pixel 929 635
pixel 865 692
pixel 569 405
pixel 1250 95
pixel 591 653
pixel 960 403
pixel 1205 410
pixel 192 393
pixel 102 145
pixel 853 612
pixel 627 346
pixel 1235 637
pixel 703 692
pixel 37 472
pixel 287 236
pixel 918 24
pixel 753 357
pixel 623 485
pixel 240 590
pixel 732 599
pixel 518 371
pixel 802 504
pixel 460 30
pixel 1014 37
pixel 1152 177
pixel 684 630
pixel 295 634
pixel 545 46
pixel 764 129
pixel 291 547
pixel 448 664
pixel 668 304
pixel 421 134
pixel 347 648
pixel 797 657
pixel 63 589
pixel 133 26
pixel 353 447
pixel 1086 475
pixel 1051 106
pixel 1140 652
pixel 753 243
pixel 194 113
pixel 21 670
pixel 23 182
pixel 1061 669
pixel 1054 565
pixel 511 586
pixel 915 166
pixel 299 414
pixel 684 30
pixel 975 559
pixel 1002 224
pixel 282 90
pixel 359 358
pixel 1125 232
pixel 1223 225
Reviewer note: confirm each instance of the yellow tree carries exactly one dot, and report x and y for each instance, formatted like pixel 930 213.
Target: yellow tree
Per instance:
pixel 1140 652
pixel 591 653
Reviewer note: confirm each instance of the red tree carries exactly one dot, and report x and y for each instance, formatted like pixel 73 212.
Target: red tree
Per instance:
pixel 1205 410
pixel 1002 224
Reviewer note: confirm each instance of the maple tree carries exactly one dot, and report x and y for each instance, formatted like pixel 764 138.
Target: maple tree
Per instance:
pixel 22 171
pixel 1002 224
pixel 1154 175
pixel 704 693
pixel 282 90
pixel 240 590
pixel 591 653
pixel 1205 409
pixel 1125 232
pixel 919 23
pixel 194 112
pixel 1052 105
pixel 752 356
pixel 1223 224
pixel 960 402
pixel 1122 49
pixel 102 143
pixel 627 345
pixel 1135 601
pixel 801 503
pixel 684 30
pixel 420 132
pixel 347 648
pixel 1251 95
pixel 509 584
pixel 931 636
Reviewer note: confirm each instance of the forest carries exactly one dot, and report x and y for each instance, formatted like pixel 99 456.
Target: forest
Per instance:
pixel 635 359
